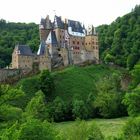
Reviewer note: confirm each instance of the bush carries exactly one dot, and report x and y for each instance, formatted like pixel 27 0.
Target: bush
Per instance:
pixel 79 109
pixel 36 108
pixel 135 75
pixel 46 83
pixel 10 113
pixel 132 101
pixel 131 130
pixel 82 131
pixel 29 86
pixel 109 105
pixel 58 109
pixel 31 130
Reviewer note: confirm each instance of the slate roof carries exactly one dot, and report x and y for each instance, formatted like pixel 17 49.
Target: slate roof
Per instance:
pixel 24 50
pixel 76 26
pixel 58 23
pixel 41 49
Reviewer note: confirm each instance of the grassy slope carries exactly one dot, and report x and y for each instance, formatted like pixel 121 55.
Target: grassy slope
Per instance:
pixel 109 127
pixel 70 82
pixel 79 80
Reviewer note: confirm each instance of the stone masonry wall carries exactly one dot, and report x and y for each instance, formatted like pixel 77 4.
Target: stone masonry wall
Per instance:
pixel 12 75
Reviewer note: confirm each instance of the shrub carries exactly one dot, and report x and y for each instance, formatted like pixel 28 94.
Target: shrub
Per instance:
pixel 36 108
pixel 132 101
pixel 131 130
pixel 33 129
pixel 82 131
pixel 46 83
pixel 10 113
pixel 58 109
pixel 109 105
pixel 79 109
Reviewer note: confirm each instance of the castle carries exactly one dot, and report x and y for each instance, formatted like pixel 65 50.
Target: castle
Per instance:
pixel 62 43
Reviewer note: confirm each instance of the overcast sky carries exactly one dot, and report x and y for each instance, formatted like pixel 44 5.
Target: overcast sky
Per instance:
pixel 94 12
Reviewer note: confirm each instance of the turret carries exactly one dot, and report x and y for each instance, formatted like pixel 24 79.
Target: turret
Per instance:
pixel 44 28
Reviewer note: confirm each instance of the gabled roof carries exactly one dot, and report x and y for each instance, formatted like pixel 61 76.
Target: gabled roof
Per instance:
pixel 24 50
pixel 58 23
pixel 41 50
pixel 76 26
pixel 51 39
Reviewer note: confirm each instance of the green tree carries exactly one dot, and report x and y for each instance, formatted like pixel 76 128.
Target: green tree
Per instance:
pixel 109 98
pixel 36 108
pixel 58 109
pixel 131 60
pixel 10 103
pixel 31 130
pixel 10 113
pixel 46 83
pixel 109 58
pixel 79 109
pixel 132 101
pixel 135 75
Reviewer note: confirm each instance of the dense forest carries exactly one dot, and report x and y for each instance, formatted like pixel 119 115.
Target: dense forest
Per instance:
pixel 120 41
pixel 16 33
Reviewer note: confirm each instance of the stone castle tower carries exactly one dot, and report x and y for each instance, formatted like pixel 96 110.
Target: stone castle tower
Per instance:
pixel 62 43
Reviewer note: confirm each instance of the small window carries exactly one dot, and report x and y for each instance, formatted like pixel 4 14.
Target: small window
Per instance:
pixel 78 43
pixel 73 42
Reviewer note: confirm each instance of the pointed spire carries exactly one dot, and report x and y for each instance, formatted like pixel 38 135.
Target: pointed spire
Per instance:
pixel 41 50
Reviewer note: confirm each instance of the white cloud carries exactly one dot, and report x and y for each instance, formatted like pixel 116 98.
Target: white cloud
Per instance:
pixel 94 12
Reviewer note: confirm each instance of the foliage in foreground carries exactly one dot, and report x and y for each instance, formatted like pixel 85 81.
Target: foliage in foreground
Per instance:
pixel 131 130
pixel 32 129
pixel 82 131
